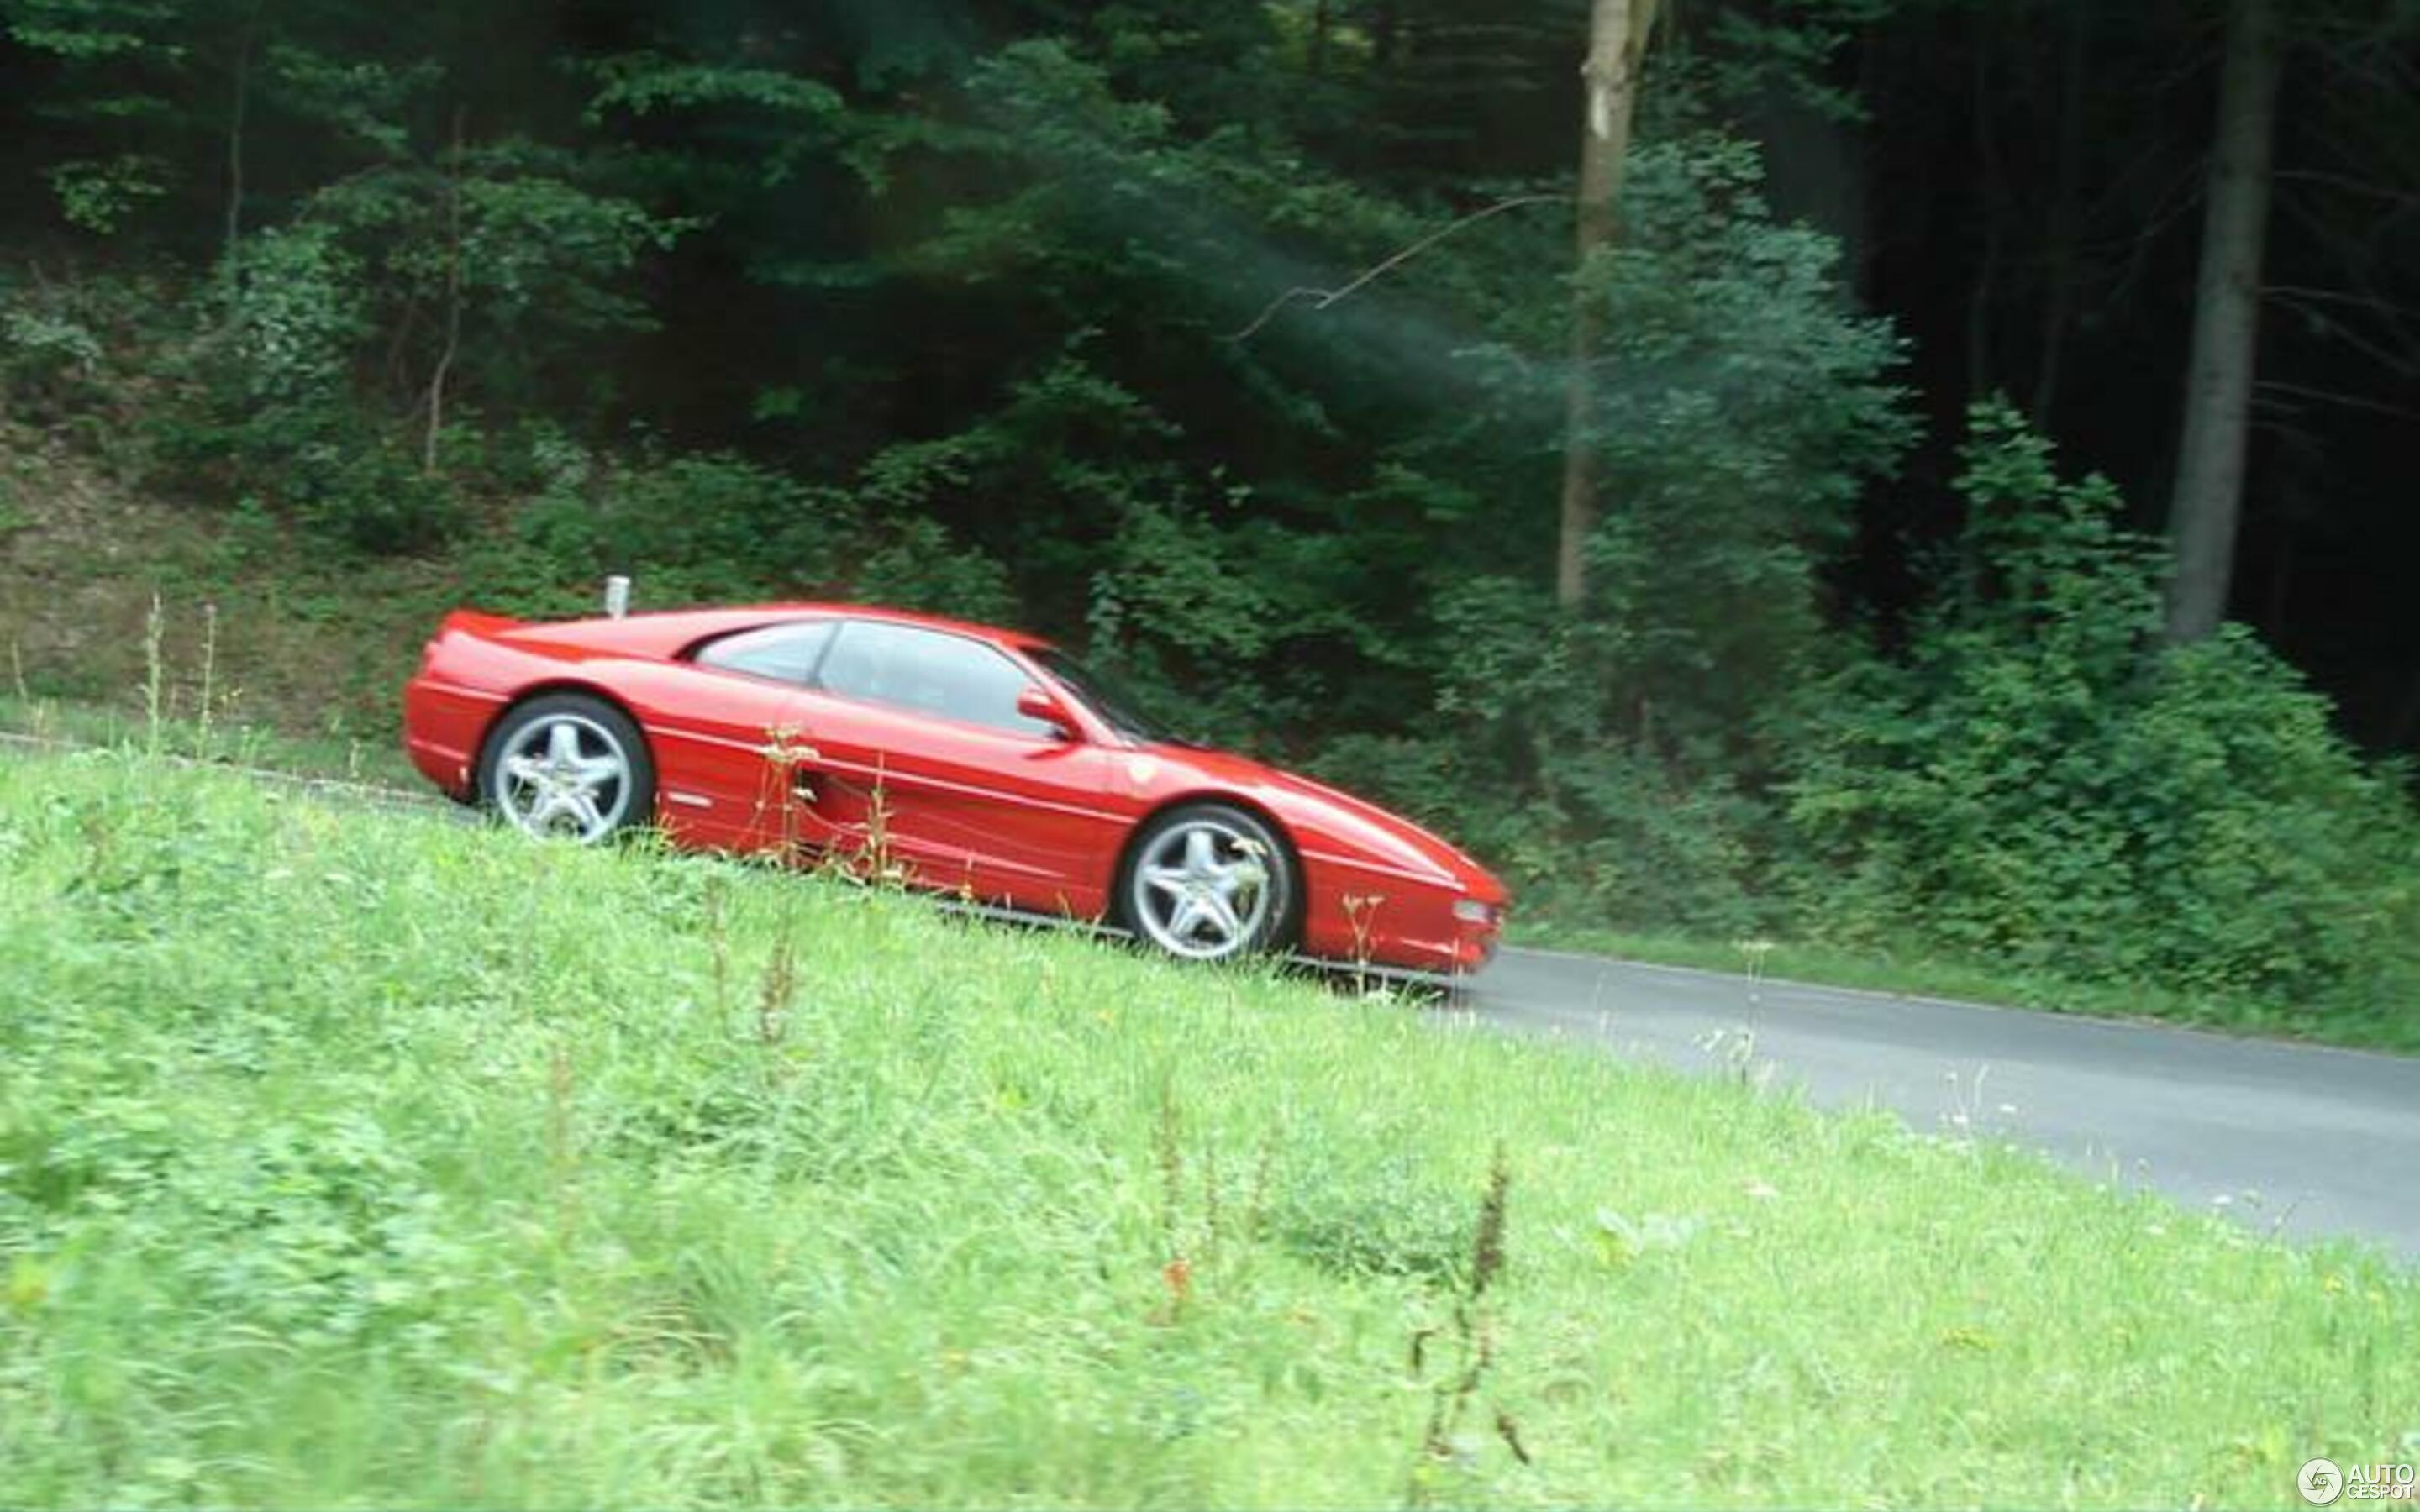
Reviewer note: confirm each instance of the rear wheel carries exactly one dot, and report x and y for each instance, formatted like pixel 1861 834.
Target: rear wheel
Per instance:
pixel 568 767
pixel 1209 882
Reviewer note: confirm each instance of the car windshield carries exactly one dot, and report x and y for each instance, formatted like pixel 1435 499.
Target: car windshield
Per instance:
pixel 1105 696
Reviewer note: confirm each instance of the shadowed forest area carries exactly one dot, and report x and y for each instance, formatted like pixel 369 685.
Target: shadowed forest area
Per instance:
pixel 1923 476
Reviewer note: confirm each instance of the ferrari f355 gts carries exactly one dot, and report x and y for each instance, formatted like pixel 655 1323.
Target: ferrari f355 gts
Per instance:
pixel 978 761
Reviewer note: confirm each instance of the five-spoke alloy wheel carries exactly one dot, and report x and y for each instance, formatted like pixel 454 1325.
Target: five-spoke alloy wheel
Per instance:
pixel 568 767
pixel 1209 882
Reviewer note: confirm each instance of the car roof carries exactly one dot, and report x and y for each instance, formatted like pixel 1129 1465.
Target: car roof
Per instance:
pixel 1015 639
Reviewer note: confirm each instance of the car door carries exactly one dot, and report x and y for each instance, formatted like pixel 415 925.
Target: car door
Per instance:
pixel 717 721
pixel 920 753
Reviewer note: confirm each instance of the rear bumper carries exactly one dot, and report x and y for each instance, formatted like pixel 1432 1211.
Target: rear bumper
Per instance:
pixel 443 726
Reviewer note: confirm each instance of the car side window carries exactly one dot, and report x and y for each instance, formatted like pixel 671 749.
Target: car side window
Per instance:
pixel 786 652
pixel 931 673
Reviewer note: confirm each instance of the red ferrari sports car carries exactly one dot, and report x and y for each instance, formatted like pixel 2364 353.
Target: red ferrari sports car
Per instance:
pixel 975 761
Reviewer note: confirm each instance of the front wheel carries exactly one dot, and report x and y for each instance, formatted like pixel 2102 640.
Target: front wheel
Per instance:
pixel 568 767
pixel 1208 882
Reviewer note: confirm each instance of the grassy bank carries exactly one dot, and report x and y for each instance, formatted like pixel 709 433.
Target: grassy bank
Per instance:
pixel 363 1158
pixel 52 721
pixel 271 632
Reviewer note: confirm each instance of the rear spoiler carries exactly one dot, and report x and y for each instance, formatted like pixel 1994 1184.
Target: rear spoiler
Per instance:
pixel 476 621
pixel 473 621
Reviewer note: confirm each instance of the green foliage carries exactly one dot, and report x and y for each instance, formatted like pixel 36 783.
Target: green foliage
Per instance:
pixel 913 563
pixel 83 30
pixel 49 355
pixel 1755 52
pixel 704 527
pixel 305 309
pixel 360 104
pixel 809 113
pixel 1740 410
pixel 538 254
pixel 493 261
pixel 268 407
pixel 100 194
pixel 2039 784
pixel 1597 832
pixel 699 525
pixel 74 355
pixel 467 279
pixel 120 100
pixel 357 486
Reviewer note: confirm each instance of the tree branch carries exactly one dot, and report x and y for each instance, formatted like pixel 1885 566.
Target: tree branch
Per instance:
pixel 453 303
pixel 1324 298
pixel 2267 387
pixel 2330 328
pixel 2349 184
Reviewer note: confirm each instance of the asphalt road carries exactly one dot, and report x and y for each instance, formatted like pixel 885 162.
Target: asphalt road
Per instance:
pixel 2325 1141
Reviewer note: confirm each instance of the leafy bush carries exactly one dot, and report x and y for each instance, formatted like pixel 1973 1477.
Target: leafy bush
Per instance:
pixel 701 528
pixel 329 465
pixel 717 525
pixel 47 356
pixel 1612 757
pixel 1738 410
pixel 913 563
pixel 1617 838
pixel 303 308
pixel 66 342
pixel 2039 784
pixel 1595 817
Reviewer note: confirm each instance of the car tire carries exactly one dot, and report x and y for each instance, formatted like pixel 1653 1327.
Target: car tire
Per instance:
pixel 568 767
pixel 1209 882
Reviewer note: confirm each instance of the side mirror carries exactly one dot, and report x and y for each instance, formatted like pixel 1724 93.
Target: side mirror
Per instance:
pixel 1039 703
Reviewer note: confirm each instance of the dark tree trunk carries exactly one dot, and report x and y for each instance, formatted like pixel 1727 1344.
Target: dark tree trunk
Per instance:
pixel 2060 264
pixel 239 109
pixel 1618 31
pixel 453 341
pixel 1988 196
pixel 2208 500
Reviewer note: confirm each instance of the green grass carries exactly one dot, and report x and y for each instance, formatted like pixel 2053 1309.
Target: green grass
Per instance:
pixel 1913 973
pixel 77 722
pixel 362 1159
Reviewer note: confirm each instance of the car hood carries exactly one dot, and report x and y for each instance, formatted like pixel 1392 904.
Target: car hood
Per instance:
pixel 1329 821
